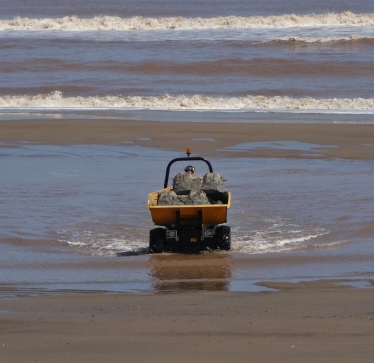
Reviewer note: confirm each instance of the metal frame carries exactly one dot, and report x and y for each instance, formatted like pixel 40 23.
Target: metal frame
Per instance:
pixel 184 159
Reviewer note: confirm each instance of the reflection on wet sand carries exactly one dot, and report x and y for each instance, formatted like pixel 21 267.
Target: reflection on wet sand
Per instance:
pixel 191 272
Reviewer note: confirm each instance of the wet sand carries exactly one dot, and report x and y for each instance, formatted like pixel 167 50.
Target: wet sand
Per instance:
pixel 351 141
pixel 305 322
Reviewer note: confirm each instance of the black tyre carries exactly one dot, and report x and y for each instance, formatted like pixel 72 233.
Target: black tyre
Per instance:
pixel 222 238
pixel 157 239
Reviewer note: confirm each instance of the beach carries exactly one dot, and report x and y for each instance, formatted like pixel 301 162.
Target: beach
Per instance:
pixel 96 99
pixel 349 141
pixel 192 316
pixel 303 322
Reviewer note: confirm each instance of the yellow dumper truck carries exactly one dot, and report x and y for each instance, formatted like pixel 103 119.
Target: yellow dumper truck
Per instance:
pixel 186 227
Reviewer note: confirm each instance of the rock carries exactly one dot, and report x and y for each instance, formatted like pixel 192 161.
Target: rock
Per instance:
pixel 169 197
pixel 197 197
pixel 183 198
pixel 213 181
pixel 185 182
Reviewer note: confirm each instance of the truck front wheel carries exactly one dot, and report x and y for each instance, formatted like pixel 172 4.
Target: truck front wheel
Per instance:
pixel 157 239
pixel 222 238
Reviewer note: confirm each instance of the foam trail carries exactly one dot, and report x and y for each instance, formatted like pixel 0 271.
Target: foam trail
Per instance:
pixel 114 23
pixel 264 245
pixel 56 100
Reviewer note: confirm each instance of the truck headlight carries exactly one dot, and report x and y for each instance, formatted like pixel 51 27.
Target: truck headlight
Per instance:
pixel 171 234
pixel 208 232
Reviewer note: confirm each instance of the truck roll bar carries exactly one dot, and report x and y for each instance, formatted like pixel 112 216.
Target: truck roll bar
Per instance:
pixel 185 159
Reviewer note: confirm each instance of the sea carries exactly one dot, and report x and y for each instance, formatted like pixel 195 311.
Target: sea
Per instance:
pixel 74 218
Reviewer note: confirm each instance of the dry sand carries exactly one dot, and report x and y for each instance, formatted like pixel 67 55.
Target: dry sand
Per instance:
pixel 306 322
pixel 313 322
pixel 351 141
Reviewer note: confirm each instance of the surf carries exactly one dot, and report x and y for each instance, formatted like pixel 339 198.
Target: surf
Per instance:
pixel 57 101
pixel 115 23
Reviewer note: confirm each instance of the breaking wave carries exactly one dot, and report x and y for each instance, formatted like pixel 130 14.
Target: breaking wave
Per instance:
pixel 310 40
pixel 56 100
pixel 114 23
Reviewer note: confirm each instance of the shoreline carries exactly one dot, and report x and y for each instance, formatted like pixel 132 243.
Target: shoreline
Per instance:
pixel 303 323
pixel 14 291
pixel 354 142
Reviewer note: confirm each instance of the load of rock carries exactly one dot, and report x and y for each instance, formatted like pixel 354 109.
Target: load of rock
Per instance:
pixel 192 190
pixel 183 183
pixel 169 197
pixel 197 197
pixel 213 182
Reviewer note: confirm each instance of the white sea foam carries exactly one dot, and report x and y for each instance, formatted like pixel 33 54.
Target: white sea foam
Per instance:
pixel 74 23
pixel 56 100
pixel 105 243
pixel 275 235
pixel 259 244
pixel 323 40
pixel 328 245
pixel 103 246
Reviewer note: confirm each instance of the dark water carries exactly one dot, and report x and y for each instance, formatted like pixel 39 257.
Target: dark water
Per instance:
pixel 172 55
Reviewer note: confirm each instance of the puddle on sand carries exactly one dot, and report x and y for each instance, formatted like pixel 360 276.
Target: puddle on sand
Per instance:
pixel 204 139
pixel 359 284
pixel 283 145
pixel 311 155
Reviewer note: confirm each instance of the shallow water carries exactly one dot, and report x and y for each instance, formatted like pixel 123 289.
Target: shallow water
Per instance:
pixel 75 217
